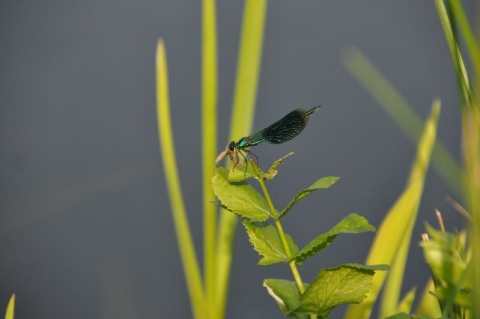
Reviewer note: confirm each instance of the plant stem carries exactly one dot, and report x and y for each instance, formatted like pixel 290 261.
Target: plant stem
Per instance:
pixel 281 233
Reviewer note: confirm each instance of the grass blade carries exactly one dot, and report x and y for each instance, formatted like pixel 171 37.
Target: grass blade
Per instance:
pixel 182 229
pixel 209 149
pixel 402 114
pixel 10 308
pixel 397 226
pixel 248 70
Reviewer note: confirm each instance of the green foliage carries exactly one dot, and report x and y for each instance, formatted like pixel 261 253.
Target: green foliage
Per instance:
pixel 266 241
pixel 352 224
pixel 287 296
pixel 344 284
pixel 322 183
pixel 239 197
pixel 333 287
pixel 449 263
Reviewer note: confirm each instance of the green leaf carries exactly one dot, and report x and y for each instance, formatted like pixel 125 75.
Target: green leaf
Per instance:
pixel 401 315
pixel 393 236
pixel 443 256
pixel 407 302
pixel 10 308
pixel 266 241
pixel 428 305
pixel 322 183
pixel 344 284
pixel 462 298
pixel 240 198
pixel 245 95
pixel 182 228
pixel 286 295
pixel 352 224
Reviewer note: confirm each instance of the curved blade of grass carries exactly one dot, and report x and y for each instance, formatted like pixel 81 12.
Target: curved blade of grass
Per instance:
pixel 10 308
pixel 396 228
pixel 471 148
pixel 182 229
pixel 402 114
pixel 248 70
pixel 209 149
pixel 428 305
pixel 461 71
pixel 471 44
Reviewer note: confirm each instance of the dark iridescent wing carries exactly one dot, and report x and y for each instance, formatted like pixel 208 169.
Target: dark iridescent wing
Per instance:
pixel 282 130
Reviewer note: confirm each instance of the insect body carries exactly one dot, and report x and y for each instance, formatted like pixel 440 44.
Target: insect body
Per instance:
pixel 279 132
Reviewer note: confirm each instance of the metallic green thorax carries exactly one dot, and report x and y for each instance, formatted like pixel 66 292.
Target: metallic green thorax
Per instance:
pixel 279 132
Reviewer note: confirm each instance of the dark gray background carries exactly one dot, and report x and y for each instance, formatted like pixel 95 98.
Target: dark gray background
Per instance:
pixel 85 227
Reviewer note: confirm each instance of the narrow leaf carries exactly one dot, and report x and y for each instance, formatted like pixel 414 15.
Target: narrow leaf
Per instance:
pixel 240 198
pixel 10 308
pixel 248 73
pixel 182 228
pixel 322 183
pixel 397 226
pixel 407 302
pixel 401 315
pixel 345 284
pixel 428 305
pixel 352 224
pixel 266 241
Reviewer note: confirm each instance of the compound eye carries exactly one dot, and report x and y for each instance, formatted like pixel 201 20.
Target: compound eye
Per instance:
pixel 231 146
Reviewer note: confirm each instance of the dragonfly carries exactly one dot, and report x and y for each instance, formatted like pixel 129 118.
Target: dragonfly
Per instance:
pixel 283 130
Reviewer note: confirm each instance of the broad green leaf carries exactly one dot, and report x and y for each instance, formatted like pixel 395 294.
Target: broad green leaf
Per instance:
pixel 352 224
pixel 393 235
pixel 344 284
pixel 10 308
pixel 286 295
pixel 266 241
pixel 322 183
pixel 240 171
pixel 407 302
pixel 240 198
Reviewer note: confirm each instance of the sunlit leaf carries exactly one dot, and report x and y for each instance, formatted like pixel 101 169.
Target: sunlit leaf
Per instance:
pixel 396 228
pixel 337 286
pixel 10 308
pixel 322 183
pixel 266 241
pixel 352 224
pixel 286 295
pixel 240 198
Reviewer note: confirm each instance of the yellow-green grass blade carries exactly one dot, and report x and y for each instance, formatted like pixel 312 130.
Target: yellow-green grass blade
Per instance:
pixel 248 71
pixel 182 229
pixel 209 135
pixel 471 44
pixel 402 114
pixel 9 314
pixel 397 225
pixel 461 71
pixel 471 147
pixel 428 305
